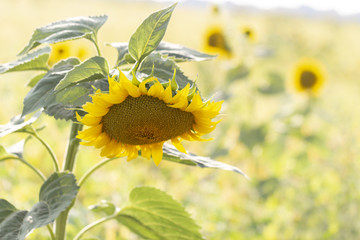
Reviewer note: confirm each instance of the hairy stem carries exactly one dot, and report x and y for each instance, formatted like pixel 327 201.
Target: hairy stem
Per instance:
pixel 69 164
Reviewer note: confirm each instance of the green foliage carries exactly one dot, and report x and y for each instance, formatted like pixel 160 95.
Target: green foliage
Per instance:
pixel 252 135
pixel 36 60
pixel 17 124
pixel 153 214
pixel 173 155
pixel 92 69
pixel 275 84
pixel 163 69
pixel 105 207
pixel 56 194
pixel 237 73
pixel 149 34
pixel 69 29
pixel 35 80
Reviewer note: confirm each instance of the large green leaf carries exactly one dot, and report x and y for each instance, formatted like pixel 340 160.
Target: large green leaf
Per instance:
pixel 56 194
pixel 36 60
pixel 150 33
pixel 154 214
pixel 173 155
pixel 164 70
pixel 38 97
pixel 16 124
pixel 92 69
pixel 68 29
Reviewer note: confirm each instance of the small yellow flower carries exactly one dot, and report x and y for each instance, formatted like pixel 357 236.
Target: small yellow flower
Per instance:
pixel 249 34
pixel 308 76
pixel 135 117
pixel 216 42
pixel 68 49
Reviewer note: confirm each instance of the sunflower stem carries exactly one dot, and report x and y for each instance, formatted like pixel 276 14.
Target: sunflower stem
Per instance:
pixel 69 164
pixel 48 148
pixel 37 171
pixel 95 41
pixel 92 225
pixel 93 169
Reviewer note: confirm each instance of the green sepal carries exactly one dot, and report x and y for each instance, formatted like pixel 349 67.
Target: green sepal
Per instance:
pixel 36 60
pixel 153 214
pixel 68 29
pixel 149 34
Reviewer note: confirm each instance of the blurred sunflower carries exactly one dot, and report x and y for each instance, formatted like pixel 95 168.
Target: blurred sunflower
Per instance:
pixel 248 34
pixel 216 42
pixel 133 117
pixel 68 49
pixel 308 76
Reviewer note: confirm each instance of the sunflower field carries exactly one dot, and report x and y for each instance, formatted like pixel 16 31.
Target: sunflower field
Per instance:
pixel 244 124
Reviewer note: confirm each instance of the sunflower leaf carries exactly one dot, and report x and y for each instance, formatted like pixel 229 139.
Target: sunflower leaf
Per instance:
pixel 16 124
pixel 92 69
pixel 68 29
pixel 123 53
pixel 170 153
pixel 153 214
pixel 182 54
pixel 150 33
pixel 35 80
pixel 38 97
pixel 275 84
pixel 36 60
pixel 56 194
pixel 164 69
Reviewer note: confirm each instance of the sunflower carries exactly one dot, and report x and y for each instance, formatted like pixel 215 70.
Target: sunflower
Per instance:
pixel 135 116
pixel 308 76
pixel 68 49
pixel 248 34
pixel 216 42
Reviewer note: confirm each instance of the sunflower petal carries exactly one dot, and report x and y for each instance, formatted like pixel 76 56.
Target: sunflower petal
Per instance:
pixel 157 152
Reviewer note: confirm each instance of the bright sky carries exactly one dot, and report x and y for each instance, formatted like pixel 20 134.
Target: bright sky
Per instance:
pixel 343 7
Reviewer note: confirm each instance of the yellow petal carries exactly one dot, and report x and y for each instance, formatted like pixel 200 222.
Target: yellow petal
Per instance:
pixel 102 140
pixel 90 133
pixel 156 90
pixel 107 149
pixel 157 152
pixel 132 152
pixel 196 103
pixel 146 151
pixel 178 145
pixel 167 94
pixel 130 88
pixel 142 86
pixel 94 109
pixel 88 119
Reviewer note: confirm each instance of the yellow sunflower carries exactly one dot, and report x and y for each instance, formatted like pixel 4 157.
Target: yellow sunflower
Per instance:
pixel 68 49
pixel 249 34
pixel 134 116
pixel 216 42
pixel 308 76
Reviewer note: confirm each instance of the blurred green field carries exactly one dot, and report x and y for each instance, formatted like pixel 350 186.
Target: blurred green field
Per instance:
pixel 301 154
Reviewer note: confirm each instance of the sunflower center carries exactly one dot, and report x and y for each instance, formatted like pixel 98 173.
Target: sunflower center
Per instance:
pixel 145 120
pixel 307 79
pixel 216 40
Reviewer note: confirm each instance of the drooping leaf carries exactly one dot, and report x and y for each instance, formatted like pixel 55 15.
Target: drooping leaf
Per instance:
pixel 38 96
pixel 180 53
pixel 68 29
pixel 36 60
pixel 16 124
pixel 164 70
pixel 6 208
pixel 154 214
pixel 150 33
pixel 239 72
pixel 56 194
pixel 170 153
pixel 92 69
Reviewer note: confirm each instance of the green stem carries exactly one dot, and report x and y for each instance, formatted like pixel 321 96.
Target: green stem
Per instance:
pixel 92 225
pixel 37 171
pixel 56 163
pixel 51 232
pixel 93 169
pixel 96 45
pixel 69 164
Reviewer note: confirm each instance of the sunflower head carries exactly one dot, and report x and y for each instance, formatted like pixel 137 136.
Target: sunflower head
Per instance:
pixel 140 116
pixel 308 76
pixel 216 42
